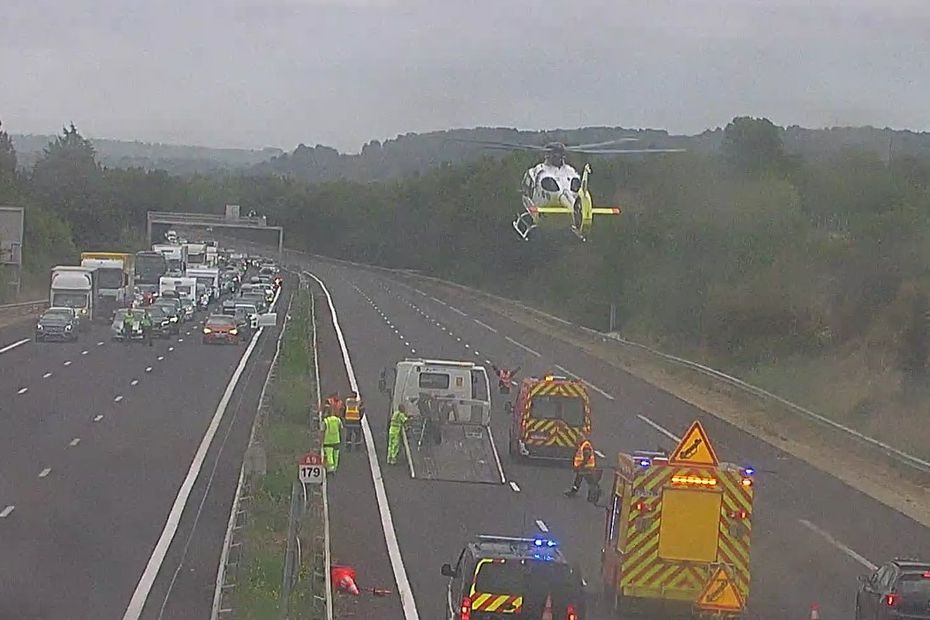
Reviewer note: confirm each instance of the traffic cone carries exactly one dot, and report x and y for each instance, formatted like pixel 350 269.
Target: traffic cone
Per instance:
pixel 344 579
pixel 547 610
pixel 815 612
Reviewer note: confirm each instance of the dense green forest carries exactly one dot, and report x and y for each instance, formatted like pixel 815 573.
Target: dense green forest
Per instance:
pixel 808 274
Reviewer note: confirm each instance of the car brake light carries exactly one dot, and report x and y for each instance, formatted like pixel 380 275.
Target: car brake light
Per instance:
pixel 926 575
pixel 892 600
pixel 465 611
pixel 570 613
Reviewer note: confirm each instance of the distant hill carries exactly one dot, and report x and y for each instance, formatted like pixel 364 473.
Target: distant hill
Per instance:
pixel 173 158
pixel 413 153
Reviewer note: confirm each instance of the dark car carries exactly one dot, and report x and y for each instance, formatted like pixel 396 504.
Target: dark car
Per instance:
pixel 898 589
pixel 221 328
pixel 161 322
pixel 499 577
pixel 172 308
pixel 58 324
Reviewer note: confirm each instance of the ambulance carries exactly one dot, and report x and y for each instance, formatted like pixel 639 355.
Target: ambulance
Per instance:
pixel 549 416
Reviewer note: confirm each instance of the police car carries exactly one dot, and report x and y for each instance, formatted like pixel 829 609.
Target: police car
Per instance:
pixel 498 577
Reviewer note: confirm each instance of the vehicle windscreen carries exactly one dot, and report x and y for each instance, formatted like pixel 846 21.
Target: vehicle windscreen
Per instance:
pixel 205 282
pixel 70 300
pixel 58 313
pixel 534 580
pixel 110 277
pixel 220 321
pixel 167 308
pixel 568 409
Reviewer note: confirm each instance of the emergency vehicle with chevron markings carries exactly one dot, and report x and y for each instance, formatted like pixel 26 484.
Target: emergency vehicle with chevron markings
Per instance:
pixel 677 535
pixel 549 416
pixel 500 577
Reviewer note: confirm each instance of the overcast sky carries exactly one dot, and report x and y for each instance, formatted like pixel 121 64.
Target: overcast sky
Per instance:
pixel 257 73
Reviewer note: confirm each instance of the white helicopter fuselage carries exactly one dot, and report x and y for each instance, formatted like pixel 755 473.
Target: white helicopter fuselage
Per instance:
pixel 546 185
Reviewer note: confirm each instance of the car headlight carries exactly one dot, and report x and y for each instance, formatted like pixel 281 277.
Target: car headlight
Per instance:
pixel 207 330
pixel 234 331
pixel 67 328
pixel 39 326
pixel 83 310
pixel 173 319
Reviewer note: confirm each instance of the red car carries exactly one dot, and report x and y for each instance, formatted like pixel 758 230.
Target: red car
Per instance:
pixel 220 328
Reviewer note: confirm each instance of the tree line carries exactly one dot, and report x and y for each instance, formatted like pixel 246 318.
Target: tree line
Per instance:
pixel 741 255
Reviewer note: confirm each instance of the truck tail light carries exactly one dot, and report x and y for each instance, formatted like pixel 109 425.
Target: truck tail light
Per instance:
pixel 571 613
pixel 739 514
pixel 642 506
pixel 891 600
pixel 465 611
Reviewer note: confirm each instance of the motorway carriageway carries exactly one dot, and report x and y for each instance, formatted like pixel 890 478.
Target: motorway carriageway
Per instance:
pixel 98 438
pixel 813 535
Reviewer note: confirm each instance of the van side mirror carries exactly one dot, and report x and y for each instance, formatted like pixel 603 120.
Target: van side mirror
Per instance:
pixel 448 571
pixel 269 319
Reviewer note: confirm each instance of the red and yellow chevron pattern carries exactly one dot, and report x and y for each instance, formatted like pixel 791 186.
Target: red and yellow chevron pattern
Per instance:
pixel 643 570
pixel 499 603
pixel 550 433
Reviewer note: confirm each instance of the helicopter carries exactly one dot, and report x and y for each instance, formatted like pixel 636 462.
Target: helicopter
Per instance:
pixel 554 187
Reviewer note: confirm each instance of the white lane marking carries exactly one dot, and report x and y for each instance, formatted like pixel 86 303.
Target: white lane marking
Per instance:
pixel 514 486
pixel 148 369
pixel 826 536
pixel 100 344
pixel 387 522
pixel 84 352
pixel 161 357
pixel 466 345
pixel 6 511
pixel 12 346
pixel 421 292
pixel 67 362
pixel 478 353
pixel 542 526
pixel 521 345
pixel 457 339
pixel 439 301
pixel 586 382
pixel 180 340
pixel 117 399
pixel 600 454
pixel 134 382
pixel 170 349
pixel 457 311
pixel 45 472
pixel 485 325
pixel 659 428
pixel 23 390
pixel 74 442
pixel 47 375
pixel 413 350
pixel 147 580
pixel 98 417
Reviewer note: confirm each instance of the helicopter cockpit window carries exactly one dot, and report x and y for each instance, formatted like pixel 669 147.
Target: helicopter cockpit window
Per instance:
pixel 576 184
pixel 549 184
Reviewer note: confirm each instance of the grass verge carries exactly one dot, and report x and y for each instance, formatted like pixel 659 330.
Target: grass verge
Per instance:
pixel 284 433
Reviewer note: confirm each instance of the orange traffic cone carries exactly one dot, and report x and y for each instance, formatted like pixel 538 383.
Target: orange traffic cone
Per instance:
pixel 344 579
pixel 815 612
pixel 547 610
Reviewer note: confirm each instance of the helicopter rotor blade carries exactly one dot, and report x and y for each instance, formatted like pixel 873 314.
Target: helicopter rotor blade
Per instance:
pixel 595 145
pixel 626 151
pixel 493 144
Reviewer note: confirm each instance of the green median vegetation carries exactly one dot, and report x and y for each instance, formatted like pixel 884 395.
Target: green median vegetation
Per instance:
pixel 284 433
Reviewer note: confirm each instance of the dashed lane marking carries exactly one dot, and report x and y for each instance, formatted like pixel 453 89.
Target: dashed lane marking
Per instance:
pixel 148 369
pixel 457 311
pixel 23 390
pixel 6 511
pixel 67 362
pixel 98 417
pixel 13 345
pixel 586 382
pixel 180 340
pixel 830 539
pixel 522 346
pixel 542 526
pixel 485 325
pixel 100 344
pixel 514 486
pixel 84 352
pixel 134 382
pixel 74 442
pixel 160 358
pixel 47 375
pixel 170 349
pixel 439 301
pixel 45 472
pixel 600 454
pixel 117 399
pixel 659 428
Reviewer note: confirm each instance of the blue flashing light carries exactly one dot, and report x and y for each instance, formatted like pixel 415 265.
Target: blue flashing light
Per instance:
pixel 543 542
pixel 644 462
pixel 749 471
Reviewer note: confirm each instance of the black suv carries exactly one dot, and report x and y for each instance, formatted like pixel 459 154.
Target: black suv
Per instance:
pixel 57 324
pixel 498 577
pixel 898 589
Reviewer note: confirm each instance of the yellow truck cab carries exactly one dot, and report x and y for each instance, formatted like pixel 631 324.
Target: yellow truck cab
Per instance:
pixel 677 535
pixel 549 416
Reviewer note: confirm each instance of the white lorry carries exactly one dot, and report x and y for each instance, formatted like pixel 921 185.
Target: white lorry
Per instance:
pixel 209 278
pixel 196 254
pixel 184 287
pixel 176 255
pixel 75 287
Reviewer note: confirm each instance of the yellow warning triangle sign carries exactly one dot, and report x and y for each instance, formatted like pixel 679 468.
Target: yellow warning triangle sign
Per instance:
pixel 694 450
pixel 720 593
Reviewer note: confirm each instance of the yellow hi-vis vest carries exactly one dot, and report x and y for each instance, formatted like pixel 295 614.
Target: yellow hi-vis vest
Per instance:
pixel 580 462
pixel 353 414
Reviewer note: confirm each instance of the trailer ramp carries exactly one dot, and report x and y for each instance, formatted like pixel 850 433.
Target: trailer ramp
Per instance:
pixel 467 453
